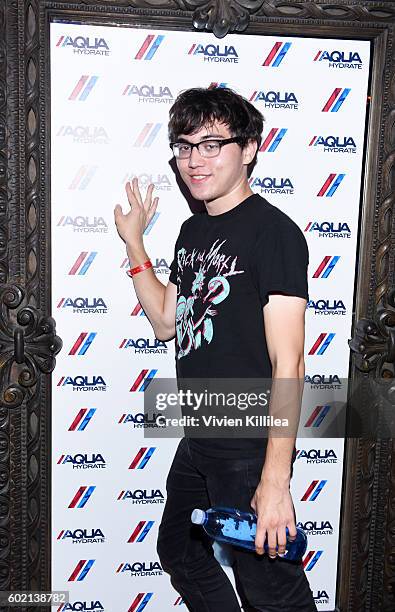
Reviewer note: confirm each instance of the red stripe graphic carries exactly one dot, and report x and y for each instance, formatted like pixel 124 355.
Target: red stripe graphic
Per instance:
pixel 79 86
pixel 122 418
pixel 143 135
pixel 308 557
pixel 137 458
pixel 309 490
pixel 136 309
pixel 312 140
pixel 125 90
pixel 120 495
pixel 135 603
pixel 78 343
pixel 308 225
pixel 138 380
pixel 321 266
pixel 331 99
pixel 272 54
pixel 61 459
pixel 59 41
pixel 123 343
pixel 60 382
pixel 77 570
pixel 60 535
pixel 191 49
pixel 253 96
pixel 78 262
pixel 78 177
pixel 136 531
pixel 119 568
pixel 326 184
pixel 268 139
pixel 144 46
pixel 77 419
pixel 313 416
pixel 317 343
pixel 317 56
pixel 76 497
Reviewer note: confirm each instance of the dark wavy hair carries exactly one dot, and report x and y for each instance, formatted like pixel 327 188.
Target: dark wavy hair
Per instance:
pixel 199 106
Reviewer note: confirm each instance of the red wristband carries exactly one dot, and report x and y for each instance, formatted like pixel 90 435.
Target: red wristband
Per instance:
pixel 137 269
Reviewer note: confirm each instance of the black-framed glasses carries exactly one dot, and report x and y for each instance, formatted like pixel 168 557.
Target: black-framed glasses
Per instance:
pixel 206 148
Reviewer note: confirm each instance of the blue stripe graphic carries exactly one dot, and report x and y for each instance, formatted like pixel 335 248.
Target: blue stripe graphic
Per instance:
pixel 340 100
pixel 144 602
pixel 326 343
pixel 86 419
pixel 151 224
pixel 87 178
pixel 86 496
pixel 88 262
pixel 324 411
pixel 277 140
pixel 146 457
pixel 152 135
pixel 335 185
pixel 87 343
pixel 88 88
pixel 145 531
pixel 330 266
pixel 148 379
pixel 280 54
pixel 314 560
pixel 318 490
pixel 85 570
pixel 154 47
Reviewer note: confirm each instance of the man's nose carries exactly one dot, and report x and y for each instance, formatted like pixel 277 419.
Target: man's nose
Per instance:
pixel 195 159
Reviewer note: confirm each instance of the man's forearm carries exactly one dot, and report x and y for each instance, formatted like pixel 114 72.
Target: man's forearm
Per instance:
pixel 150 293
pixel 285 403
pixel 277 466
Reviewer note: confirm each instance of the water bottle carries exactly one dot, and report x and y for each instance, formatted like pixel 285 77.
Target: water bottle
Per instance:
pixel 233 526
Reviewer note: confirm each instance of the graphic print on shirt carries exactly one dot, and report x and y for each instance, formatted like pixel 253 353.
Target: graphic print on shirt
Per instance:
pixel 209 288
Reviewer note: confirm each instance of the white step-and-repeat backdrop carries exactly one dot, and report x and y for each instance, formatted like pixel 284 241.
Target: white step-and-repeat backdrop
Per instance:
pixel 111 90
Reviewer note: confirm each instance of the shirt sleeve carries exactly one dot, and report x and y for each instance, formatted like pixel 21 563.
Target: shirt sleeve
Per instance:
pixel 279 262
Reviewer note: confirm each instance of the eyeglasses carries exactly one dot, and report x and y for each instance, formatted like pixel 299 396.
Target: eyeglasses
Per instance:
pixel 206 148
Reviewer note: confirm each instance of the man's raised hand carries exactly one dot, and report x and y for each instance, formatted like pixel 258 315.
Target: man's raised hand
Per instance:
pixel 131 226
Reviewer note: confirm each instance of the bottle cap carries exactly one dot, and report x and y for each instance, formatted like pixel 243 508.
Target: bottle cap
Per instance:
pixel 198 516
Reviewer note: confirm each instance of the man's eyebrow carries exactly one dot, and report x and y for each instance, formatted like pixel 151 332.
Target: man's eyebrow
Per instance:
pixel 208 137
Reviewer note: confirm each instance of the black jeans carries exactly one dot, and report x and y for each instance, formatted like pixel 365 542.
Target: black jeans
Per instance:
pixel 186 553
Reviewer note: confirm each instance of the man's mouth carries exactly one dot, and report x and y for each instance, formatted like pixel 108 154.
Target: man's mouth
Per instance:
pixel 198 178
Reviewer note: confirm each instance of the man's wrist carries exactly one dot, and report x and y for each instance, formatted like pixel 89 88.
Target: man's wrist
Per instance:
pixel 276 476
pixel 137 255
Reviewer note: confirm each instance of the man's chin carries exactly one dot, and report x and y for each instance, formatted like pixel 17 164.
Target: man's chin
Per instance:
pixel 199 194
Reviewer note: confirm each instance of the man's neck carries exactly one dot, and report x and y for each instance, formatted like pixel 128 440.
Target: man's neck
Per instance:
pixel 231 200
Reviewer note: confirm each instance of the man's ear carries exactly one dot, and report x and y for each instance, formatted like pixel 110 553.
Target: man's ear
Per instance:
pixel 249 151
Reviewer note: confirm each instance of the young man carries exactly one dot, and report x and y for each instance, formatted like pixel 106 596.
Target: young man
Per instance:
pixel 235 303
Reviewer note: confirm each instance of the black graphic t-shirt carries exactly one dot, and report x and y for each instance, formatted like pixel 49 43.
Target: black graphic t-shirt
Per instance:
pixel 225 266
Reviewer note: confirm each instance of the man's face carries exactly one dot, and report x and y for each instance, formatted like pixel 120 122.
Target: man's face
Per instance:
pixel 210 178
